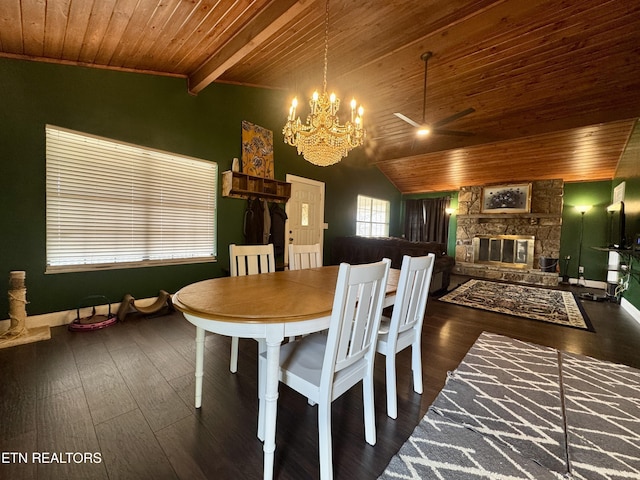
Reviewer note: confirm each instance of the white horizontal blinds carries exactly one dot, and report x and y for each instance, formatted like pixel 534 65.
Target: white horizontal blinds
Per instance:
pixel 111 204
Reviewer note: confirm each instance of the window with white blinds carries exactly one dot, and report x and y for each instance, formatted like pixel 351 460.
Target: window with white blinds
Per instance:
pixel 116 205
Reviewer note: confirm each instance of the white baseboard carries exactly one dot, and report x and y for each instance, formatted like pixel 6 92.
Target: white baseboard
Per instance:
pixel 589 283
pixel 630 309
pixel 56 319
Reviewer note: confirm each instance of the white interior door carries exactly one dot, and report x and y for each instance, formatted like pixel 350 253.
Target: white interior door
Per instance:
pixel 305 212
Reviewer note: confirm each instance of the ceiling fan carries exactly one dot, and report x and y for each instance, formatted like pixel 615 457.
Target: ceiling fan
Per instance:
pixel 425 128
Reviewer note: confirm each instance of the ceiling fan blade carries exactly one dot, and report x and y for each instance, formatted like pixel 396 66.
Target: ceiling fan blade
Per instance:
pixel 458 133
pixel 407 119
pixel 453 117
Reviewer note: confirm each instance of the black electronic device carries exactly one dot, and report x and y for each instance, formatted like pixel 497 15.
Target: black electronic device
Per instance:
pixel 617 226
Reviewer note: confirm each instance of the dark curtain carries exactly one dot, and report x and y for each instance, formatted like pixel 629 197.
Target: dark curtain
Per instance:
pixel 426 220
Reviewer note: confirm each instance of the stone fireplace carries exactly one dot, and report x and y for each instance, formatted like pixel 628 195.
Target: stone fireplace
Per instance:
pixel 508 246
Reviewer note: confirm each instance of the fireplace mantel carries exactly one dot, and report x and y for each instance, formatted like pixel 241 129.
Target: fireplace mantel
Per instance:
pixel 508 215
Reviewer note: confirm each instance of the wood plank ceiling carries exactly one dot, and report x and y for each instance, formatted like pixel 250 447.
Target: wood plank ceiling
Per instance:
pixel 554 85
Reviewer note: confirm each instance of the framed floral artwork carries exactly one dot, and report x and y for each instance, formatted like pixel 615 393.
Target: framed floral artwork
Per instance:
pixel 506 198
pixel 257 150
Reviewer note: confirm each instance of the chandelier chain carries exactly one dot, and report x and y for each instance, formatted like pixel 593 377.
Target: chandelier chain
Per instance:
pixel 326 47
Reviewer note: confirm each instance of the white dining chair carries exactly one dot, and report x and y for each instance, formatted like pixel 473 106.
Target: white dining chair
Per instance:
pixel 304 256
pixel 324 365
pixel 251 259
pixel 248 260
pixel 404 328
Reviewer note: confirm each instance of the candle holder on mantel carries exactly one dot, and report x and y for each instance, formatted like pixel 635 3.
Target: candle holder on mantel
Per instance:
pixel 18 333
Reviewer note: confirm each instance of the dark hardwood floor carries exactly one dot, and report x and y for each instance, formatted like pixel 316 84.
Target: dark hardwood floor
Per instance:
pixel 121 399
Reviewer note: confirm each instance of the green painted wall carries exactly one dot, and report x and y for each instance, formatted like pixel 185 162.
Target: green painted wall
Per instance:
pixel 157 112
pixel 598 195
pixel 596 228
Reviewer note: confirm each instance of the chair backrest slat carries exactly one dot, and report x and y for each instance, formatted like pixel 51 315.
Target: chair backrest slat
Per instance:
pixel 412 294
pixel 356 315
pixel 304 256
pixel 251 259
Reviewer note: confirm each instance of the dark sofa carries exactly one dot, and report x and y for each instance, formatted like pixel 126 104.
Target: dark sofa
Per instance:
pixel 356 250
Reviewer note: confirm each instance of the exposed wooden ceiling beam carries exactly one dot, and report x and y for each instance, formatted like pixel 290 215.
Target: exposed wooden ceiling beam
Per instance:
pixel 261 26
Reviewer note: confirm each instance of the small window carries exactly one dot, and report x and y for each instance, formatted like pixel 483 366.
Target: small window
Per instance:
pixel 372 217
pixel 116 205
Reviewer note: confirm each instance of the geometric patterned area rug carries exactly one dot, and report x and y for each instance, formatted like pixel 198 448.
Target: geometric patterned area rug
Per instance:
pixel 553 306
pixel 602 405
pixel 515 410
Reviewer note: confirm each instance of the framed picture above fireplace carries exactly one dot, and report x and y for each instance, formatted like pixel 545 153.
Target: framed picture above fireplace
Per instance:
pixel 515 198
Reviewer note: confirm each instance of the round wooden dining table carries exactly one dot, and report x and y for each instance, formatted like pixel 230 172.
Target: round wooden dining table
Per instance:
pixel 268 307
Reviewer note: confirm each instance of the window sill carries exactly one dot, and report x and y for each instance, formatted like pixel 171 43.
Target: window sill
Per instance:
pixel 125 265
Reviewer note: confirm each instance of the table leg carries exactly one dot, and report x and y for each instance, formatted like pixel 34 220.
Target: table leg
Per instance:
pixel 262 347
pixel 199 364
pixel 271 400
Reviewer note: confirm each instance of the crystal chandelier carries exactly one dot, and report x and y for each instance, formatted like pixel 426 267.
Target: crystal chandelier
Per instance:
pixel 322 140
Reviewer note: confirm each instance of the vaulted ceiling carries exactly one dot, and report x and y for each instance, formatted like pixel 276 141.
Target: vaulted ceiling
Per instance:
pixel 554 85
